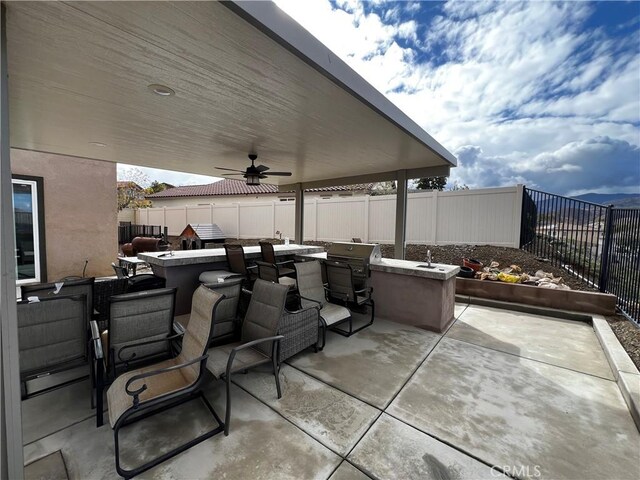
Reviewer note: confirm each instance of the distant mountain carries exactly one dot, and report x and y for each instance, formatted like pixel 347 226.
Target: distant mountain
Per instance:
pixel 627 200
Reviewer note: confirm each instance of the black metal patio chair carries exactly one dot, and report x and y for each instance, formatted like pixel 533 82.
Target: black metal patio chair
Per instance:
pixel 285 268
pixel 139 330
pixel 341 287
pixel 52 336
pixel 312 292
pixel 259 342
pixel 148 391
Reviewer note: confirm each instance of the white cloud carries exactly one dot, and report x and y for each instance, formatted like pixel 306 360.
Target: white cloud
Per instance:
pixel 144 176
pixel 520 91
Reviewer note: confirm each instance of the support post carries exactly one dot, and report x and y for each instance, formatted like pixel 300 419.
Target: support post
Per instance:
pixel 11 454
pixel 401 214
pixel 604 259
pixel 299 224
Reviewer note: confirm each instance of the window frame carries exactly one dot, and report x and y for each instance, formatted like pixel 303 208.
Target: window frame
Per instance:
pixel 40 250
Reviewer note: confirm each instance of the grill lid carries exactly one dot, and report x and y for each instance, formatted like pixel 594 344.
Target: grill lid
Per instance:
pixel 367 251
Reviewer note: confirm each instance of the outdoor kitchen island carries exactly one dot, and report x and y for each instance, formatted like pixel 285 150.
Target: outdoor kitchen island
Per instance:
pixel 182 268
pixel 412 293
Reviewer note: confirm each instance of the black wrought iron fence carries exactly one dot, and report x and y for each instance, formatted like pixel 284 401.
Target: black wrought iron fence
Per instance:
pixel 598 244
pixel 128 232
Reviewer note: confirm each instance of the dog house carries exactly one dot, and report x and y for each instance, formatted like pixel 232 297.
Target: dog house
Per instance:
pixel 201 235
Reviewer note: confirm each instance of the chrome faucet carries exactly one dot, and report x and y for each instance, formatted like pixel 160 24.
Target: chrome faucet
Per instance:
pixel 429 258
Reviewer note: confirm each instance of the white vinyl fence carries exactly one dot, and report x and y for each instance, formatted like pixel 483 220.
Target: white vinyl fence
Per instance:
pixel 486 216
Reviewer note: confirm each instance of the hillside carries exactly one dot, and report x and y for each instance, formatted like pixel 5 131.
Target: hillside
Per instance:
pixel 626 200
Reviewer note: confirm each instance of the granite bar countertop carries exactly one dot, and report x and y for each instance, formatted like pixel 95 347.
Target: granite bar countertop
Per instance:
pixel 213 255
pixel 439 271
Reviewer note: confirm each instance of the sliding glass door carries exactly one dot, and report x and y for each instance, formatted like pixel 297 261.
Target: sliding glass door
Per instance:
pixel 26 215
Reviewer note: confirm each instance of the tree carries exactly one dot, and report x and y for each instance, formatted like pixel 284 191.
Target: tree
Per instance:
pixel 156 187
pixel 384 188
pixel 130 193
pixel 431 183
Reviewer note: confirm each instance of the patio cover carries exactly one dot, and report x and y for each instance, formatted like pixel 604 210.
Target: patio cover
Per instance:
pixel 246 78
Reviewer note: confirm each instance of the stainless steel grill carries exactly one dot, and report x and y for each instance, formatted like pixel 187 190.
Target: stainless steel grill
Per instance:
pixel 358 255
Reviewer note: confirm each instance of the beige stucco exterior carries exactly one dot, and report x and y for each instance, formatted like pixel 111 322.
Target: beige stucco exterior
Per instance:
pixel 80 211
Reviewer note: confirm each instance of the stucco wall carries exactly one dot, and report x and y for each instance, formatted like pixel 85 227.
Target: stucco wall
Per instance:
pixel 80 211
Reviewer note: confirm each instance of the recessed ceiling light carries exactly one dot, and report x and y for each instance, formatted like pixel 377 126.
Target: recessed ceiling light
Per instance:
pixel 161 90
pixel 98 144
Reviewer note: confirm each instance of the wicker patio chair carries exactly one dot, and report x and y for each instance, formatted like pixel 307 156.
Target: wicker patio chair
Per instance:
pixel 259 342
pixel 300 329
pixel 52 336
pixel 103 290
pixel 342 288
pixel 139 330
pixel 144 392
pixel 312 292
pixel 141 281
pixel 285 268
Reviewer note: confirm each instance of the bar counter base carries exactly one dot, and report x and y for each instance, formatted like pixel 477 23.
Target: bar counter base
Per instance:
pixel 421 302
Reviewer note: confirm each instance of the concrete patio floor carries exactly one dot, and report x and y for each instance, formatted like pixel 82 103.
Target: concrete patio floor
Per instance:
pixel 500 392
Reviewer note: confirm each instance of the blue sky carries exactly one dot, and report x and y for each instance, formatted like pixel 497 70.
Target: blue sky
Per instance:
pixel 541 93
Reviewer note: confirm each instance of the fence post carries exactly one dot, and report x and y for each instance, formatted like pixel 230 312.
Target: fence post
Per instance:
pixel 238 221
pixel 434 219
pixel 604 260
pixel 517 215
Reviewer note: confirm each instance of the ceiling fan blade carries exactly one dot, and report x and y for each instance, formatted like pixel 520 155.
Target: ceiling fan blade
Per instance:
pixel 262 168
pixel 230 169
pixel 233 174
pixel 279 174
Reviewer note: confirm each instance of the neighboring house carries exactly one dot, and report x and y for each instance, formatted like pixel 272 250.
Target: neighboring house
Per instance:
pixel 65 215
pixel 237 191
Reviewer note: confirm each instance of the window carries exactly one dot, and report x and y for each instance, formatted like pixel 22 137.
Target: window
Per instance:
pixel 28 214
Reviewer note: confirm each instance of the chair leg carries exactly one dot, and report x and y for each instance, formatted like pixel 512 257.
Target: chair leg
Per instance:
pixel 122 421
pixel 276 373
pixel 227 413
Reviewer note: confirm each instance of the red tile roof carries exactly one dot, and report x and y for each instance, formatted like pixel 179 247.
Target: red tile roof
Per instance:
pixel 239 187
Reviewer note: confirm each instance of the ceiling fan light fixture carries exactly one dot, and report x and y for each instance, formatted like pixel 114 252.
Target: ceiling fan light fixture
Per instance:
pixel 253 179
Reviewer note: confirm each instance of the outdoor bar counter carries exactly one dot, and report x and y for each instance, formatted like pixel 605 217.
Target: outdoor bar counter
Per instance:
pixel 407 292
pixel 182 268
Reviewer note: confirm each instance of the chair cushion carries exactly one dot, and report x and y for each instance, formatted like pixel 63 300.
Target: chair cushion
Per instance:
pixel 247 358
pixel 119 401
pixel 289 282
pixel 212 276
pixel 332 313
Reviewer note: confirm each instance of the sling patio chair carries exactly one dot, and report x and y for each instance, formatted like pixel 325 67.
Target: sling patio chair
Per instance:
pixel 312 292
pixel 285 268
pixel 342 288
pixel 52 336
pixel 139 330
pixel 150 390
pixel 81 286
pixel 259 342
pixel 237 267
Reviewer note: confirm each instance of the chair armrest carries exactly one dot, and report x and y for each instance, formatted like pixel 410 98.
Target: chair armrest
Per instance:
pixel 284 262
pixel 368 290
pixel 146 342
pixel 252 267
pixel 95 339
pixel 247 291
pixel 136 393
pixel 303 310
pixel 275 339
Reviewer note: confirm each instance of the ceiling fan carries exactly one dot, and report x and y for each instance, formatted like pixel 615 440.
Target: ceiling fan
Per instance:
pixel 254 174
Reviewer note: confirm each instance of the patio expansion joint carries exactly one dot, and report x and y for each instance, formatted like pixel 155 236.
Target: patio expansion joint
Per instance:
pixel 529 358
pixel 343 457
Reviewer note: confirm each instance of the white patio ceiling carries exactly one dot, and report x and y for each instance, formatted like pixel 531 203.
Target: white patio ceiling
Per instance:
pixel 79 72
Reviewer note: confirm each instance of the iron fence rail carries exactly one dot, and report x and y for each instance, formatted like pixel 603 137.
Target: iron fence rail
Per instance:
pixel 128 232
pixel 598 244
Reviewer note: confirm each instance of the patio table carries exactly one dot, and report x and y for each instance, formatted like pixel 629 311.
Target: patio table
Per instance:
pixel 130 263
